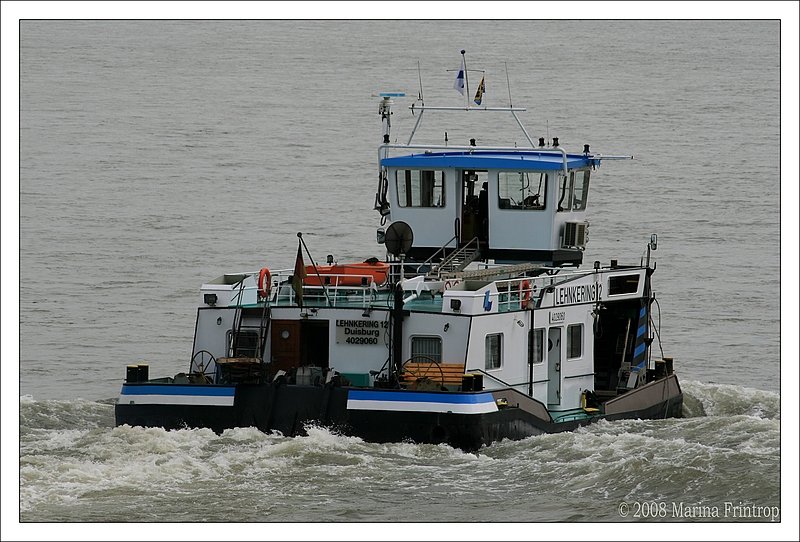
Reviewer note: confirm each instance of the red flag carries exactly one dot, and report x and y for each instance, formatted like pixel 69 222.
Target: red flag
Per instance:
pixel 299 275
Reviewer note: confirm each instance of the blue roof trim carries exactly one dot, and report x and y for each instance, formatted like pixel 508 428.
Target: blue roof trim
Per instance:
pixel 516 160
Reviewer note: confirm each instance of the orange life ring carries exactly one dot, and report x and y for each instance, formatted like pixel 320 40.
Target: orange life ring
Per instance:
pixel 264 285
pixel 525 293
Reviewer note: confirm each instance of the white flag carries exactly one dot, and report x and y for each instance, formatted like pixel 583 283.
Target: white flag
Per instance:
pixel 459 84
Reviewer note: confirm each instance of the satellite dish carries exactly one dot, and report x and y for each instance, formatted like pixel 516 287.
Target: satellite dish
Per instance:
pixel 399 238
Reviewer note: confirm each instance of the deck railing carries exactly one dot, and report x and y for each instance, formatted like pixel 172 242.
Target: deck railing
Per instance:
pixel 515 294
pixel 333 289
pixel 512 294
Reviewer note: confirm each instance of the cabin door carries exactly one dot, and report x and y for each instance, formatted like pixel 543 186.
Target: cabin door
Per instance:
pixel 554 366
pixel 298 343
pixel 316 343
pixel 474 206
pixel 285 345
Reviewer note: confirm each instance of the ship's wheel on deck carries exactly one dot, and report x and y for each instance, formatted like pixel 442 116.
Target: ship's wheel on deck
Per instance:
pixel 201 371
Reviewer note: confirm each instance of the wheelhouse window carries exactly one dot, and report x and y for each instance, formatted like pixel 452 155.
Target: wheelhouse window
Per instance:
pixel 574 341
pixel 623 284
pixel 580 183
pixel 564 193
pixel 426 349
pixel 522 190
pixel 494 351
pixel 536 346
pixel 420 188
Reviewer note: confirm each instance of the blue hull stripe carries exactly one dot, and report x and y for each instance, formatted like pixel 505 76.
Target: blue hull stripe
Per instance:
pixel 177 389
pixel 414 401
pixel 420 397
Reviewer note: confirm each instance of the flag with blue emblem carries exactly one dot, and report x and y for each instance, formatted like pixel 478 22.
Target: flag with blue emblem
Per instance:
pixel 481 90
pixel 459 84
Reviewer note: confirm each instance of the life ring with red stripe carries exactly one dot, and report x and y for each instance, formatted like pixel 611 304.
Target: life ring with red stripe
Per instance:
pixel 525 293
pixel 264 282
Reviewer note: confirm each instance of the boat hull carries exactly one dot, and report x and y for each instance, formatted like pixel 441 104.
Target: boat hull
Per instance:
pixel 465 420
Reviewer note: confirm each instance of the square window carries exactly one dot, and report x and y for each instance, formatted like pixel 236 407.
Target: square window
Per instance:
pixel 494 351
pixel 574 340
pixel 535 346
pixel 420 188
pixel 581 183
pixel 244 344
pixel 426 349
pixel 522 190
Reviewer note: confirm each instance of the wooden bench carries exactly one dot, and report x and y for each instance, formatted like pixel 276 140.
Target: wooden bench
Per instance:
pixel 447 374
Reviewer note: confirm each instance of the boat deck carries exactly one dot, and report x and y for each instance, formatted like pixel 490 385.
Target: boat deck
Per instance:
pixel 381 299
pixel 507 288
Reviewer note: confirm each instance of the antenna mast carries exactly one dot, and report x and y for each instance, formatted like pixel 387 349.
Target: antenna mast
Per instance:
pixel 508 84
pixel 466 76
pixel 419 72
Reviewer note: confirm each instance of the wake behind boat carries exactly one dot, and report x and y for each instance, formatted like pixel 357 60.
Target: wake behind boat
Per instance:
pixel 478 325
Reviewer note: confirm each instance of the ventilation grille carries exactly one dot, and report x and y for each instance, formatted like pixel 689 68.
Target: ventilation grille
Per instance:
pixel 575 235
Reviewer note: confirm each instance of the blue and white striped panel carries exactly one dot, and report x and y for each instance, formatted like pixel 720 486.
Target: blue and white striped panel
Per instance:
pixel 416 401
pixel 641 335
pixel 177 394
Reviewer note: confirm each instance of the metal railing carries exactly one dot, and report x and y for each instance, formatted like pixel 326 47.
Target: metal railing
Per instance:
pixel 333 283
pixel 442 250
pixel 467 251
pixel 512 294
pixel 516 293
pixel 499 380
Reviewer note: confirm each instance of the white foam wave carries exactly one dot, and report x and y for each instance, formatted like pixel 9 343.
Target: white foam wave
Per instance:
pixel 61 414
pixel 704 399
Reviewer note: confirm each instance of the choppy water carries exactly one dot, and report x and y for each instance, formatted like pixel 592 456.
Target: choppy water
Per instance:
pixel 74 463
pixel 156 155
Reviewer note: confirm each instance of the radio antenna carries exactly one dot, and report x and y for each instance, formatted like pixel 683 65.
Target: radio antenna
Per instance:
pixel 509 85
pixel 419 72
pixel 466 76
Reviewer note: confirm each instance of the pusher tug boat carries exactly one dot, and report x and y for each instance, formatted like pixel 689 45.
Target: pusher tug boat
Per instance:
pixel 478 325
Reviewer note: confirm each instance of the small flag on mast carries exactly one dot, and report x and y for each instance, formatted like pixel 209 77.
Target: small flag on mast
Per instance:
pixel 481 90
pixel 299 275
pixel 459 84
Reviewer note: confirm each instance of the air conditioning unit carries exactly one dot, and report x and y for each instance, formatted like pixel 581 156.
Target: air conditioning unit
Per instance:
pixel 575 235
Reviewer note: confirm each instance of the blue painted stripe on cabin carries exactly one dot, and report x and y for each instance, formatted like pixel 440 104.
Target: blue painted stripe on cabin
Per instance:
pixel 420 397
pixel 176 389
pixel 641 346
pixel 518 161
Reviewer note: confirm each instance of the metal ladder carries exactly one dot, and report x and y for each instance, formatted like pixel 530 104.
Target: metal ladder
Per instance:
pixel 458 259
pixel 261 329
